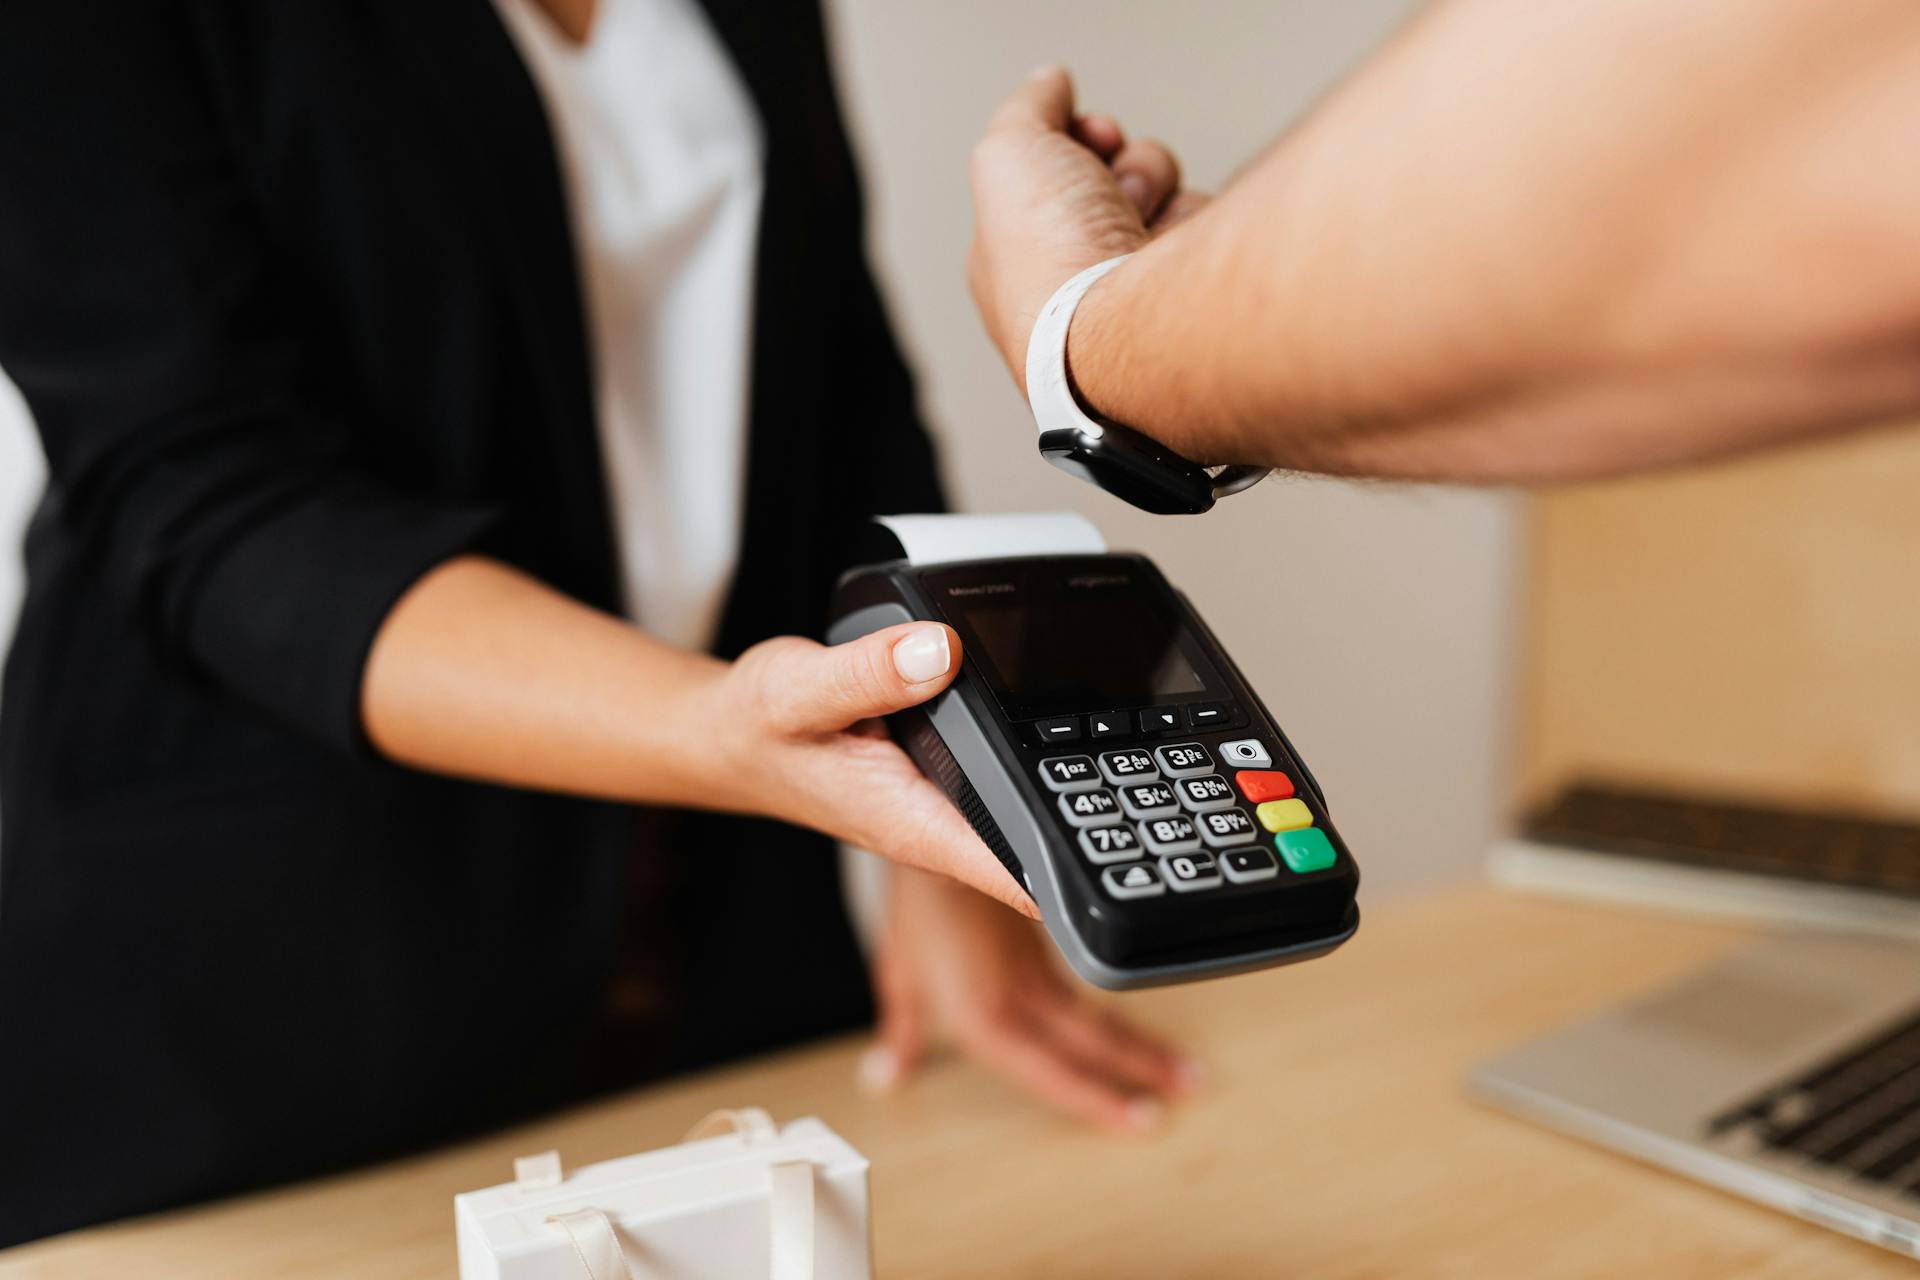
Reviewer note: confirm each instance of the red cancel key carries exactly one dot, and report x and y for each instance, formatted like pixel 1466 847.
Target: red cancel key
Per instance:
pixel 1264 784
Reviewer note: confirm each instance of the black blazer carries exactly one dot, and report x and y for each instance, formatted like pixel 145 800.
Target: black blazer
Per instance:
pixel 288 287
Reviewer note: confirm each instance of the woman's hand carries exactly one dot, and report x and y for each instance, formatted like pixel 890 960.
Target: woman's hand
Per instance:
pixel 951 965
pixel 803 728
pixel 1054 193
pixel 482 672
pixel 807 746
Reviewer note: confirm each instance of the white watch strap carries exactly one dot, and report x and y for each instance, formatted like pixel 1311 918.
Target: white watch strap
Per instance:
pixel 1054 405
pixel 1050 395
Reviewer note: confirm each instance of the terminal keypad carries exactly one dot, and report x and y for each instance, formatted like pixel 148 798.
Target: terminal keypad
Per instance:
pixel 1183 816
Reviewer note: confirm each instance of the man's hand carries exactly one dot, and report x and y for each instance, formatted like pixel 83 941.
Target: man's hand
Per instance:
pixel 1493 255
pixel 1054 193
pixel 952 966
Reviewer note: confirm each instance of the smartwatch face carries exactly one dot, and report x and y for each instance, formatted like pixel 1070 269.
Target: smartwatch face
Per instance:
pixel 1063 637
pixel 1132 468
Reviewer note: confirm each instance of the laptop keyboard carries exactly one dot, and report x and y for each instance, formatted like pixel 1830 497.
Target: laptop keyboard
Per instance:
pixel 1857 1114
pixel 1827 846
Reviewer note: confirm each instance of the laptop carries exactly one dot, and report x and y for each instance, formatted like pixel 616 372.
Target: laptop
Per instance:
pixel 1789 1072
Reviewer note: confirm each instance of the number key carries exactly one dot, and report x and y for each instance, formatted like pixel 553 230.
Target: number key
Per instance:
pixel 1110 844
pixel 1227 827
pixel 1149 800
pixel 1187 872
pixel 1090 808
pixel 1127 766
pixel 1069 773
pixel 1205 794
pixel 1184 760
pixel 1170 835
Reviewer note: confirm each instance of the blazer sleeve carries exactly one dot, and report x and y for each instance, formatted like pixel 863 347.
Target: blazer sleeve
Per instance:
pixel 137 316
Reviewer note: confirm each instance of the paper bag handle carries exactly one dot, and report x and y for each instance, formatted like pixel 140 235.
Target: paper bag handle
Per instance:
pixel 789 1196
pixel 595 1243
pixel 751 1123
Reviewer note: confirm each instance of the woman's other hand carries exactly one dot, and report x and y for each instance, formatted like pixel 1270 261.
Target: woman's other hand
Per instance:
pixel 951 966
pixel 807 745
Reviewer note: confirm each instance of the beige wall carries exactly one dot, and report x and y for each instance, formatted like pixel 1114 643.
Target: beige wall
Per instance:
pixel 1375 621
pixel 1747 628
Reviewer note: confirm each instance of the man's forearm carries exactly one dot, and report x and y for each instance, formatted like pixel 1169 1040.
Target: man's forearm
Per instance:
pixel 1539 241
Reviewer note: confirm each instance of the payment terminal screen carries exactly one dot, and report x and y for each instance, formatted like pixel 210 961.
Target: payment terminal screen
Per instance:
pixel 1101 649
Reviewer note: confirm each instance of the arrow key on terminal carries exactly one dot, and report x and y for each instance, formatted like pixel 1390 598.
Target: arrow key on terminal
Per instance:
pixel 1134 880
pixel 1160 719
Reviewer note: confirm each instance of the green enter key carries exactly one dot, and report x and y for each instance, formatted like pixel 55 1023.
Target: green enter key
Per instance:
pixel 1304 850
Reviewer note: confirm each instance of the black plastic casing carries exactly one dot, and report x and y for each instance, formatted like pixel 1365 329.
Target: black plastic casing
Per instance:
pixel 983 755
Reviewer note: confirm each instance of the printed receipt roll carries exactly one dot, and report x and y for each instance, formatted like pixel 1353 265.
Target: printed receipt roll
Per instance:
pixel 944 539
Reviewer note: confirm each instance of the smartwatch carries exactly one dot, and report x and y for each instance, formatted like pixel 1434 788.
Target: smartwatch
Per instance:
pixel 1127 464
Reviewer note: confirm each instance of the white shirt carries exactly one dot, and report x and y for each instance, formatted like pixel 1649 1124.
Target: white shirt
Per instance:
pixel 662 154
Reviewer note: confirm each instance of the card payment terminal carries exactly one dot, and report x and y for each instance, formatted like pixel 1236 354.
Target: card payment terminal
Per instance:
pixel 1110 753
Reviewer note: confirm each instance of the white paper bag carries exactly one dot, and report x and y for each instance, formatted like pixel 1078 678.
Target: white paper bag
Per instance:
pixel 787 1202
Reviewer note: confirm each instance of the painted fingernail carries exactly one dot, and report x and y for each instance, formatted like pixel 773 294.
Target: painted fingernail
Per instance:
pixel 922 655
pixel 1144 1114
pixel 879 1070
pixel 1137 189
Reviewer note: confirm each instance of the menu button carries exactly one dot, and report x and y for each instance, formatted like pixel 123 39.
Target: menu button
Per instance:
pixel 1204 715
pixel 1059 729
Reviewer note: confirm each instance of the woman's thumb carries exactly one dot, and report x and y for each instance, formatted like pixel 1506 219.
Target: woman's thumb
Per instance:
pixel 873 676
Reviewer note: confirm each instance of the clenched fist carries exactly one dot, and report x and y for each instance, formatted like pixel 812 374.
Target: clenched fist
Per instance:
pixel 1053 193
